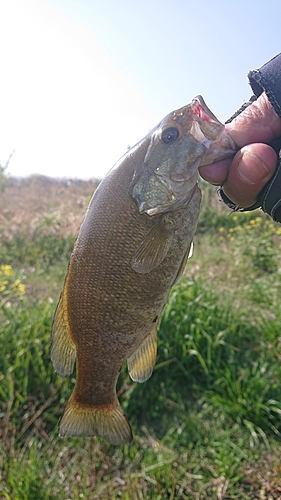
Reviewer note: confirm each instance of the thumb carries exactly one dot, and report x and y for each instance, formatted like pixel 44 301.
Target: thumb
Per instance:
pixel 251 169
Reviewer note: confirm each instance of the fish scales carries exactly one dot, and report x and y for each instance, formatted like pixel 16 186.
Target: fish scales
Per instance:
pixel 131 248
pixel 111 288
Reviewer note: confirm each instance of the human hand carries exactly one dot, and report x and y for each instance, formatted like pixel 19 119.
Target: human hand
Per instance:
pixel 246 174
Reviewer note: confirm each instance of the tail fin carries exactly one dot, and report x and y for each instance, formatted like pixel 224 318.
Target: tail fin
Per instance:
pixel 108 422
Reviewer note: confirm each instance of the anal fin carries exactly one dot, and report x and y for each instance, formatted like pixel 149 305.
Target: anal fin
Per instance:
pixel 141 363
pixel 63 350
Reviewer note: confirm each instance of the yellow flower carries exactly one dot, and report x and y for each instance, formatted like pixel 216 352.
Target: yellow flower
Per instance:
pixel 3 285
pixel 221 229
pixel 235 217
pixel 7 270
pixel 19 287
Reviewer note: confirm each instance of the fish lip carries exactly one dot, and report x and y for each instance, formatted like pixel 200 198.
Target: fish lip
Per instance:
pixel 223 151
pixel 200 109
pixel 218 151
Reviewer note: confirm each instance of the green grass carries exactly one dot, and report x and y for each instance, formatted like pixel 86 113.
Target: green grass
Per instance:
pixel 207 425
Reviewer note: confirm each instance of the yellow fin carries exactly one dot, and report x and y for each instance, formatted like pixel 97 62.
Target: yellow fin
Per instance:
pixel 153 249
pixel 108 422
pixel 141 363
pixel 187 256
pixel 63 350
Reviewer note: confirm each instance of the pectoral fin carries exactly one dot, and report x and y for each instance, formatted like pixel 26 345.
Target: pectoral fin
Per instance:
pixel 141 363
pixel 63 350
pixel 153 249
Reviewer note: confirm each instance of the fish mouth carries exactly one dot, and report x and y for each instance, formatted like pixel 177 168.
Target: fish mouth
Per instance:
pixel 207 129
pixel 203 114
pixel 221 149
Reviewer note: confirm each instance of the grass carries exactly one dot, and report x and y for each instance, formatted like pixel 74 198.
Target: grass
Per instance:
pixel 207 425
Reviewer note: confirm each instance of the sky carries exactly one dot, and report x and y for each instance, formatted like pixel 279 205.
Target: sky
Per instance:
pixel 82 80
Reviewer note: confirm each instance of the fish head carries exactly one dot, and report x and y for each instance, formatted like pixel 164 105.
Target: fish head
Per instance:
pixel 182 142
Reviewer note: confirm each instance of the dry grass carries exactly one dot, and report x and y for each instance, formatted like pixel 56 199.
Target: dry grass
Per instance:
pixel 25 202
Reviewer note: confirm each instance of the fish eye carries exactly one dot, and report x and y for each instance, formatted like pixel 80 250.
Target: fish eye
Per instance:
pixel 169 135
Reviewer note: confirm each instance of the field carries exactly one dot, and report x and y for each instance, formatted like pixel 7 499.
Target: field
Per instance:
pixel 207 425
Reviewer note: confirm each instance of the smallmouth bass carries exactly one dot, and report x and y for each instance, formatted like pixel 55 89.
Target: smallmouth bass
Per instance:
pixel 131 249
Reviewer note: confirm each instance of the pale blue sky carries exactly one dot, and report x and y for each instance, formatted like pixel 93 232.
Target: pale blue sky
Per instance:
pixel 82 79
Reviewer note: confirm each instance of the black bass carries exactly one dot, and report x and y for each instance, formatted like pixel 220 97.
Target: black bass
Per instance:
pixel 131 249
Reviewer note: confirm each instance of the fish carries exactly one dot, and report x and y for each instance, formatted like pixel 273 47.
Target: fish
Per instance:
pixel 132 247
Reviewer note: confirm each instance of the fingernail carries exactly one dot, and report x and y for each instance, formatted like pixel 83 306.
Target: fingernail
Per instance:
pixel 251 169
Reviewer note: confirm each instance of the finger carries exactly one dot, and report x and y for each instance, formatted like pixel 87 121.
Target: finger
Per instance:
pixel 257 123
pixel 215 173
pixel 251 169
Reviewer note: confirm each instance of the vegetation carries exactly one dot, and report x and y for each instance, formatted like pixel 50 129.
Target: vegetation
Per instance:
pixel 3 176
pixel 207 425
